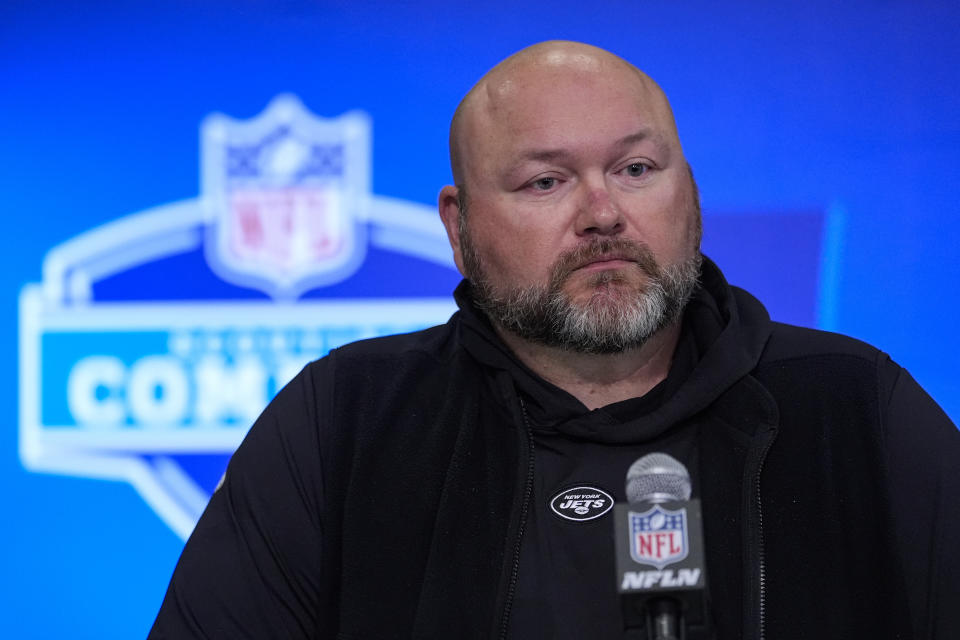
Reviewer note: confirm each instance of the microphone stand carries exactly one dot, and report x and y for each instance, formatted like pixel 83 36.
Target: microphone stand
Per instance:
pixel 664 620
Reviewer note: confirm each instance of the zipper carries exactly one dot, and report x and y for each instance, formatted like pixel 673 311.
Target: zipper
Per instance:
pixel 762 592
pixel 524 507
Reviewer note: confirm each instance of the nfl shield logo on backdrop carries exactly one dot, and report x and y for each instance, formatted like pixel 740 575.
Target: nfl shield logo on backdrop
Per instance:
pixel 658 537
pixel 286 195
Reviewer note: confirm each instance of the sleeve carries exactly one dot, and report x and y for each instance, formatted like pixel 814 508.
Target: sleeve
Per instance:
pixel 923 448
pixel 250 569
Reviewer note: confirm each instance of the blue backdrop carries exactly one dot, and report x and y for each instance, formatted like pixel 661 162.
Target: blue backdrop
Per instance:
pixel 824 136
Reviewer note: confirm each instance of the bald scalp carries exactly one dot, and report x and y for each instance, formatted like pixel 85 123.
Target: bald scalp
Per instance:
pixel 506 79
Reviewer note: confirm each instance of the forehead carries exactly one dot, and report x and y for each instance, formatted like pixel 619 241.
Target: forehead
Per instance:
pixel 544 104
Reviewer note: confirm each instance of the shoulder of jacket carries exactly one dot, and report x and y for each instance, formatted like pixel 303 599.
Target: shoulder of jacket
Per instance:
pixel 431 346
pixel 791 342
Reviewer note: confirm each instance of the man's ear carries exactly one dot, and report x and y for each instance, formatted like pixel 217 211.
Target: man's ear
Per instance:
pixel 449 205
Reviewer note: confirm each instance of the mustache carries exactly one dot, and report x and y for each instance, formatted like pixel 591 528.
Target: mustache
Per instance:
pixel 606 249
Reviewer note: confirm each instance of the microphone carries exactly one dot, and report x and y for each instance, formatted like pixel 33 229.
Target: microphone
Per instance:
pixel 661 569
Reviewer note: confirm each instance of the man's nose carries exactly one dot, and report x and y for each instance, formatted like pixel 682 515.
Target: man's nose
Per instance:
pixel 598 213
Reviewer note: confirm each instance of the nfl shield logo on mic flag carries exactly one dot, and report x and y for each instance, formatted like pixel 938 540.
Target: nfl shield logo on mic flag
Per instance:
pixel 658 537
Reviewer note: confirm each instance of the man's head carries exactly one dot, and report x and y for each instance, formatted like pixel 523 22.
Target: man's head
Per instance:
pixel 575 214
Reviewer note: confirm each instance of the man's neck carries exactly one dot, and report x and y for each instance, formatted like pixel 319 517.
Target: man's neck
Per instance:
pixel 597 380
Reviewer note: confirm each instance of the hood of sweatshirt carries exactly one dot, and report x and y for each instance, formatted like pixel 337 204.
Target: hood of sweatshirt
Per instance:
pixel 723 335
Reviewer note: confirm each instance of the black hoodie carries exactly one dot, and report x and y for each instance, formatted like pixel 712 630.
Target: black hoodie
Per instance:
pixel 398 488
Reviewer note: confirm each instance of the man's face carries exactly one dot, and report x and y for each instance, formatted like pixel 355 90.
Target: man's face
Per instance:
pixel 582 224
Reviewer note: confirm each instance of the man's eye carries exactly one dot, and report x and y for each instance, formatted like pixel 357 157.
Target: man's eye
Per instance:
pixel 636 169
pixel 544 184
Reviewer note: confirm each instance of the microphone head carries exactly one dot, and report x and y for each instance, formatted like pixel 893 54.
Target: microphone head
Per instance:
pixel 657 477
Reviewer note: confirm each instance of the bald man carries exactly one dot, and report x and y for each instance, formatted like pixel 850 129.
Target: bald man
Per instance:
pixel 421 485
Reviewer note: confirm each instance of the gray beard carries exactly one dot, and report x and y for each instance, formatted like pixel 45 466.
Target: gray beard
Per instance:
pixel 611 321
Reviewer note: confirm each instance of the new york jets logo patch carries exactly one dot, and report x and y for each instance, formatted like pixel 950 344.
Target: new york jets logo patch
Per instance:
pixel 581 503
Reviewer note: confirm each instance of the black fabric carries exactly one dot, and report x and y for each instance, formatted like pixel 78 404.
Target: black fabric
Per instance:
pixel 387 491
pixel 566 587
pixel 851 534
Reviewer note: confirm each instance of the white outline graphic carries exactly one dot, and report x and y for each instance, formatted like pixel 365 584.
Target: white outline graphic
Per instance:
pixel 64 302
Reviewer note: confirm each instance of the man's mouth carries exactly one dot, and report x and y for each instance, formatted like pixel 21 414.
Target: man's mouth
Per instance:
pixel 606 257
pixel 609 261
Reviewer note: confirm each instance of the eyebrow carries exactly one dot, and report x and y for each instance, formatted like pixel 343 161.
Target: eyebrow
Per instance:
pixel 550 155
pixel 543 155
pixel 639 136
pixel 644 134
